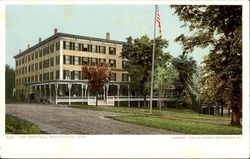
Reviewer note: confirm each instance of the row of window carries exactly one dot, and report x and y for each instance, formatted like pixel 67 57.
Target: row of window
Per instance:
pixel 41 52
pixel 67 74
pixel 87 47
pixel 77 60
pixel 38 66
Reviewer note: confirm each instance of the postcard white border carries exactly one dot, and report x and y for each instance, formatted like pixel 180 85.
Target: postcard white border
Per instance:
pixel 125 146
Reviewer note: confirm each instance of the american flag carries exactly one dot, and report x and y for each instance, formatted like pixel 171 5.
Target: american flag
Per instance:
pixel 158 19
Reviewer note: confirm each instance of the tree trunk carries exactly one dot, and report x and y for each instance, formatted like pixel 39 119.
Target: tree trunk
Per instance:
pixel 235 120
pixel 222 107
pixel 96 98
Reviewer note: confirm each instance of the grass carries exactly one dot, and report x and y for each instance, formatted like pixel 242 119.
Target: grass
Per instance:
pixel 182 126
pixel 179 120
pixel 15 125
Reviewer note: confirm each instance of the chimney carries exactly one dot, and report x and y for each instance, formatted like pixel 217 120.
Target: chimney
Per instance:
pixel 20 51
pixel 28 46
pixel 108 36
pixel 39 39
pixel 55 30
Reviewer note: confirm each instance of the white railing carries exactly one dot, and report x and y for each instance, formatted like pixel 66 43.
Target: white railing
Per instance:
pixel 91 100
pixel 111 100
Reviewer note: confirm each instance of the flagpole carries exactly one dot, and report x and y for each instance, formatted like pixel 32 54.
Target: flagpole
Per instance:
pixel 152 73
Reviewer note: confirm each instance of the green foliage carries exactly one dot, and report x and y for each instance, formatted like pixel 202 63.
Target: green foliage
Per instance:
pixel 186 67
pixel 138 52
pixel 9 83
pixel 15 125
pixel 220 29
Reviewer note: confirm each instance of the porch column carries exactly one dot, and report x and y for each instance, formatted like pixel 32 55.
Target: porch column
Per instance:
pixel 44 91
pixel 56 88
pixel 49 92
pixel 128 97
pixel 118 94
pixel 69 87
pixel 85 90
pixel 82 92
pixel 107 92
pixel 40 91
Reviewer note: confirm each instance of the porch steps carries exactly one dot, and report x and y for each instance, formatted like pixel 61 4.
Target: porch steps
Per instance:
pixel 102 102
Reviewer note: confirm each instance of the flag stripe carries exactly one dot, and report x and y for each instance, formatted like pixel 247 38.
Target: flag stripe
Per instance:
pixel 158 20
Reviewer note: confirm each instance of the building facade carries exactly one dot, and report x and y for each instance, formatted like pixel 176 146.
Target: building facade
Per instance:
pixel 51 69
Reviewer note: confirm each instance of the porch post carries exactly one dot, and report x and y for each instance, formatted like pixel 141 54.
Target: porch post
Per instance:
pixel 45 91
pixel 49 92
pixel 40 91
pixel 85 90
pixel 118 94
pixel 69 87
pixel 104 93
pixel 128 97
pixel 82 92
pixel 56 86
pixel 107 92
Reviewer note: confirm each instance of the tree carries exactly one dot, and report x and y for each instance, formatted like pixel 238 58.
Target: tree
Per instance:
pixel 165 76
pixel 186 67
pixel 9 83
pixel 97 76
pixel 138 52
pixel 220 29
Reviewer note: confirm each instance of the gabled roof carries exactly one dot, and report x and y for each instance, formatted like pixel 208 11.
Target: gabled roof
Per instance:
pixel 70 36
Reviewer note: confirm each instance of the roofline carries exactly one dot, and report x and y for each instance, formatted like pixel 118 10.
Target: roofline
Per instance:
pixel 66 35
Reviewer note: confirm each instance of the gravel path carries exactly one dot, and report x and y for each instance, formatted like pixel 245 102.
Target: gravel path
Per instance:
pixel 59 119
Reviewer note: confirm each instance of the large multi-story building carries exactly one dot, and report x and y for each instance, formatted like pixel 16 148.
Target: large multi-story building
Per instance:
pixel 51 69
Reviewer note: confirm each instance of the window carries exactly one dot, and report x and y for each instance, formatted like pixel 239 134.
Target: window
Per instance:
pixel 93 61
pixel 85 60
pixel 76 60
pixel 66 59
pixel 45 51
pixel 94 48
pixel 72 46
pixel 77 46
pixel 51 76
pixel 57 60
pixel 40 53
pixel 102 60
pixel 25 69
pixel 36 55
pixel 40 66
pixel 40 77
pixel 66 45
pixel 51 48
pixel 112 50
pixel 32 68
pixel 76 75
pixel 29 58
pixel 32 57
pixel 66 74
pixel 36 78
pixel 112 63
pixel 36 66
pixel 102 49
pixel 51 61
pixel 22 60
pixel 32 79
pixel 16 63
pixel 28 81
pixel 19 61
pixel 125 77
pixel 113 76
pixel 57 46
pixel 46 63
pixel 57 74
pixel 84 47
pixel 89 48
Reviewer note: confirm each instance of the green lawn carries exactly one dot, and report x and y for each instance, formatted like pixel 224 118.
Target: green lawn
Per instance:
pixel 182 126
pixel 180 120
pixel 15 125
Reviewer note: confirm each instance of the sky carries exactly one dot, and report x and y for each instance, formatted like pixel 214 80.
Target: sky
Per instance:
pixel 26 23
